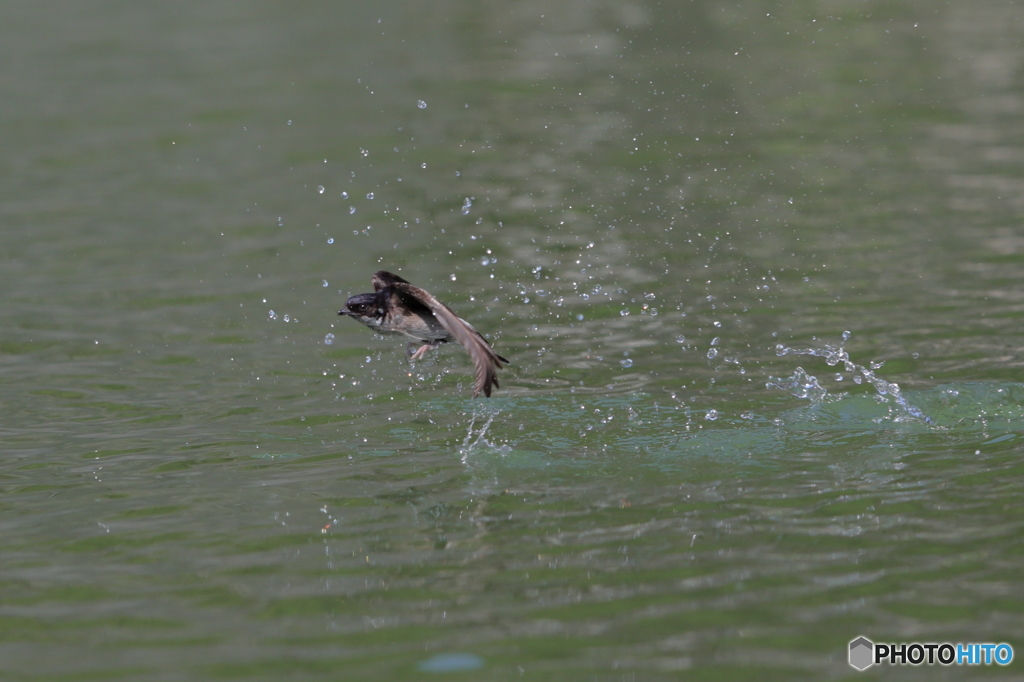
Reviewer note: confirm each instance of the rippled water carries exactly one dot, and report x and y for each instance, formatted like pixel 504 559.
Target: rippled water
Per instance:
pixel 757 270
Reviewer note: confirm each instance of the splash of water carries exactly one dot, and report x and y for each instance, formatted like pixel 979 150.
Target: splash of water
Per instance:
pixel 802 385
pixel 477 438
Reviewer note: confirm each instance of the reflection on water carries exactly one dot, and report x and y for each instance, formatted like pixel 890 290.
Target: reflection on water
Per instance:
pixel 206 473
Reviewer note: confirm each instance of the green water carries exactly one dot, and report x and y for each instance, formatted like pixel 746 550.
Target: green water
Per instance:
pixel 638 204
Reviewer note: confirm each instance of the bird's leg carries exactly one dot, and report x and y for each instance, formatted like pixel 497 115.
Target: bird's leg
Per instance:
pixel 416 354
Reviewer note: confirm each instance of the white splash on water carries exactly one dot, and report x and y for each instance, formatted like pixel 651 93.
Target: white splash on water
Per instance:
pixel 803 385
pixel 477 438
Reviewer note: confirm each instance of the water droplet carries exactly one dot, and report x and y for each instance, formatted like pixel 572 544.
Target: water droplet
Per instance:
pixel 714 341
pixel 680 339
pixel 369 195
pixel 351 210
pixel 485 261
pixel 712 353
pixel 320 189
pixel 330 240
pixel 423 165
pixel 329 339
pixel 344 195
pixel 287 318
pixel 272 315
pixel 421 104
pixel 650 297
pixel 579 316
pixel 626 363
pixel 325 283
pixel 624 312
pixel 717 323
pixel 453 278
pixel 289 121
pixel 711 415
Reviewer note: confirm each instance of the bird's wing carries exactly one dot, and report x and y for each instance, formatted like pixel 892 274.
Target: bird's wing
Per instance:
pixel 485 360
pixel 384 278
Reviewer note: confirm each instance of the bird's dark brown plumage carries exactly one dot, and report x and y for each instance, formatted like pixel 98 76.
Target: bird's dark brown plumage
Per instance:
pixel 398 307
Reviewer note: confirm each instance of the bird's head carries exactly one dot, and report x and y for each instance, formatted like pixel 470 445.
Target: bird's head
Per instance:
pixel 365 308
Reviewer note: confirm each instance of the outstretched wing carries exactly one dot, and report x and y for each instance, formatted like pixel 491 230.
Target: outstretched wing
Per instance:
pixel 485 360
pixel 384 278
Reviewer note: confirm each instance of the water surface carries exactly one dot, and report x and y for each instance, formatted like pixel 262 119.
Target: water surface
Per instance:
pixel 648 208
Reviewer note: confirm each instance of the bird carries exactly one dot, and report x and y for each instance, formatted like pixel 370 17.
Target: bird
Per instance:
pixel 398 307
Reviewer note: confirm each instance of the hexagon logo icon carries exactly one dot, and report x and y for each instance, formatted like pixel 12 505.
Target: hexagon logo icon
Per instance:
pixel 862 653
